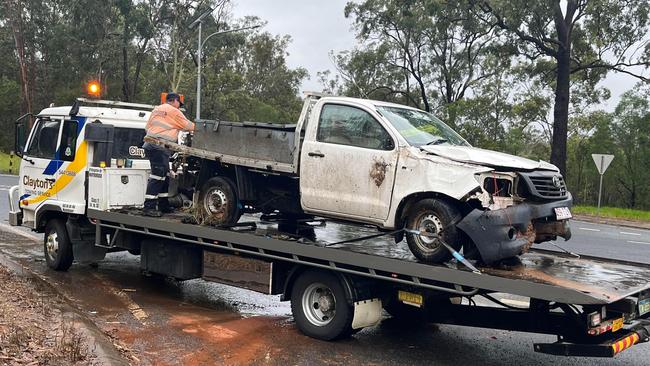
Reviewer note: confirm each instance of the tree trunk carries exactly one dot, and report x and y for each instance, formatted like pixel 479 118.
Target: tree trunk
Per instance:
pixel 16 20
pixel 126 92
pixel 563 26
pixel 561 109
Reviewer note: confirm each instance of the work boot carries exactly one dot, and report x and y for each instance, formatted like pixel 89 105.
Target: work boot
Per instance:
pixel 151 212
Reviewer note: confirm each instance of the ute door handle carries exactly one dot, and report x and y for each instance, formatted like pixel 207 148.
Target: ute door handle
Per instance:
pixel 316 154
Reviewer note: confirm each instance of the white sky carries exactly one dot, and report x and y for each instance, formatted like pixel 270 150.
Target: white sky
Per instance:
pixel 317 27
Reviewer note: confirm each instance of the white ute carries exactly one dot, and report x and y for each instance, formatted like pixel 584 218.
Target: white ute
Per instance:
pixel 382 164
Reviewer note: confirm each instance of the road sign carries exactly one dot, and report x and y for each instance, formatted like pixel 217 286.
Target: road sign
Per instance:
pixel 602 162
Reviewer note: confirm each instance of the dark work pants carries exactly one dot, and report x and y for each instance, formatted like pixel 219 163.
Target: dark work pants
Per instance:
pixel 158 184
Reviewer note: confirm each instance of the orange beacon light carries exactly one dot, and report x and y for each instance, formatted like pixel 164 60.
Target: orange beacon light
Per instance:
pixel 94 89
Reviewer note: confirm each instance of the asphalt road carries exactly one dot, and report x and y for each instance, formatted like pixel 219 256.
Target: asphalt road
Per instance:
pixel 196 322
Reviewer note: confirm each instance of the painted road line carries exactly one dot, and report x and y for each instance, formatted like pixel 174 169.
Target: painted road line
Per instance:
pixel 627 233
pixel 638 242
pixel 9 175
pixel 138 313
pixel 588 229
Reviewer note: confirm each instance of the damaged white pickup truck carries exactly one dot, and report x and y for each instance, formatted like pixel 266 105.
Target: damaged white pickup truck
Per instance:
pixel 382 164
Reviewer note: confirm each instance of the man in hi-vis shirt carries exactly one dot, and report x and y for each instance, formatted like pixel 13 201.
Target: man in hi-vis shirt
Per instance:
pixel 164 123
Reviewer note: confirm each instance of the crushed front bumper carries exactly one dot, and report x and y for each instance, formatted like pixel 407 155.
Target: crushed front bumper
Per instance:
pixel 507 232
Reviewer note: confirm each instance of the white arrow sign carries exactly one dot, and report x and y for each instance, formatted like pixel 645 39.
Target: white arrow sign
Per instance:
pixel 602 162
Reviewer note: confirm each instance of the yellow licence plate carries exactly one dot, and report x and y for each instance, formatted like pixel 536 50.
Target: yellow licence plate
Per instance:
pixel 617 324
pixel 410 298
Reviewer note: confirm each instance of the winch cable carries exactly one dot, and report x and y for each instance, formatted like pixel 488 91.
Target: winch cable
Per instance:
pixel 564 250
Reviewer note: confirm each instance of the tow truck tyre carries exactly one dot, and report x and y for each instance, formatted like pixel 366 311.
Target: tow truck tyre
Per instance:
pixel 320 307
pixel 438 217
pixel 217 203
pixel 57 246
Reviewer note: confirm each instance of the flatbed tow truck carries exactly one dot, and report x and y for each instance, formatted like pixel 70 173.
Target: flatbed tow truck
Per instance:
pixel 597 307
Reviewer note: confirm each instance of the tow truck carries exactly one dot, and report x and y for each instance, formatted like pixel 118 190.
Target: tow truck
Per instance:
pixel 82 179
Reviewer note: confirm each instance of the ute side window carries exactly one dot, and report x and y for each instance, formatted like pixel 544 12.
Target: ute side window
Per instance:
pixel 68 140
pixel 345 125
pixel 44 139
pixel 128 143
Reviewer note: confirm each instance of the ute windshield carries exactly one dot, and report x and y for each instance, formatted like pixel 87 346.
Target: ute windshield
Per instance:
pixel 420 128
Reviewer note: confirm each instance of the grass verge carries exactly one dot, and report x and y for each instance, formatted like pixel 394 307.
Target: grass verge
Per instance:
pixel 9 165
pixel 613 212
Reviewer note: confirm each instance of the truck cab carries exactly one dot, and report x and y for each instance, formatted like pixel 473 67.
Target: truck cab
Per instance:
pixel 56 155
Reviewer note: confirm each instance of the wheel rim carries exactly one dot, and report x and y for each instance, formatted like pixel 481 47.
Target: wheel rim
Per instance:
pixel 215 202
pixel 429 223
pixel 52 246
pixel 319 304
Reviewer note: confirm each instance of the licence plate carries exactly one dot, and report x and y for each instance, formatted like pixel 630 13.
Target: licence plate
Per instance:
pixel 644 306
pixel 617 324
pixel 562 213
pixel 410 298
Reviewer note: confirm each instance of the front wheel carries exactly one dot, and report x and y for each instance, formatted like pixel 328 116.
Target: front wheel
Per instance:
pixel 320 306
pixel 57 246
pixel 437 217
pixel 217 203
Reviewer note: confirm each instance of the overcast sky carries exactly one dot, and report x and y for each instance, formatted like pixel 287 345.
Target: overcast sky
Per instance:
pixel 317 27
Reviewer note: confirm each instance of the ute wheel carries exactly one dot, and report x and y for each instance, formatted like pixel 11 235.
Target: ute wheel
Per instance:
pixel 217 203
pixel 320 306
pixel 57 246
pixel 433 216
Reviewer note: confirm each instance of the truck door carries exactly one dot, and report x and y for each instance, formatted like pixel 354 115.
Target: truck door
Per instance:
pixel 40 165
pixel 348 169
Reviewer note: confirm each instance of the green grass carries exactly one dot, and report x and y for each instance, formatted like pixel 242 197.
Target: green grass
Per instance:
pixel 613 212
pixel 6 167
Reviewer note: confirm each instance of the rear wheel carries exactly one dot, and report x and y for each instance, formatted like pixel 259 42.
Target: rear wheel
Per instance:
pixel 57 246
pixel 437 217
pixel 320 306
pixel 217 203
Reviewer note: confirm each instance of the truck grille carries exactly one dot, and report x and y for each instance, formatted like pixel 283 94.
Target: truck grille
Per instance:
pixel 545 185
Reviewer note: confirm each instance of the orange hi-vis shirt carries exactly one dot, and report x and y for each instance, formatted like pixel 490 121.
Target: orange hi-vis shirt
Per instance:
pixel 165 122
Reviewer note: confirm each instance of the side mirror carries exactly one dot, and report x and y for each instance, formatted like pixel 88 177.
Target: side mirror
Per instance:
pixel 22 132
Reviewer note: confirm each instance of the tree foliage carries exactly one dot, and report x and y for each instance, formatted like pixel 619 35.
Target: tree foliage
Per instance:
pixel 138 49
pixel 581 42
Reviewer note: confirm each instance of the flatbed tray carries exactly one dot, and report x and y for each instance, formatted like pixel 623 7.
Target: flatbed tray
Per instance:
pixel 542 274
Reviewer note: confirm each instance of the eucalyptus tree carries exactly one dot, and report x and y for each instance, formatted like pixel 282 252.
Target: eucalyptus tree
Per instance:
pixel 575 39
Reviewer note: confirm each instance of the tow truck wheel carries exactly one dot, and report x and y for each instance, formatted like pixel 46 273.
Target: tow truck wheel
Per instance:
pixel 57 246
pixel 320 306
pixel 217 203
pixel 437 217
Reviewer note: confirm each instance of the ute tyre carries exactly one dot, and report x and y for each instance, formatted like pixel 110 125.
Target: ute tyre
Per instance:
pixel 314 291
pixel 57 246
pixel 217 203
pixel 434 215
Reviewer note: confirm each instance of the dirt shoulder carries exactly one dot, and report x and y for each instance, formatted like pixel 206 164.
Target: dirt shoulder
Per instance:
pixel 37 326
pixel 613 221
